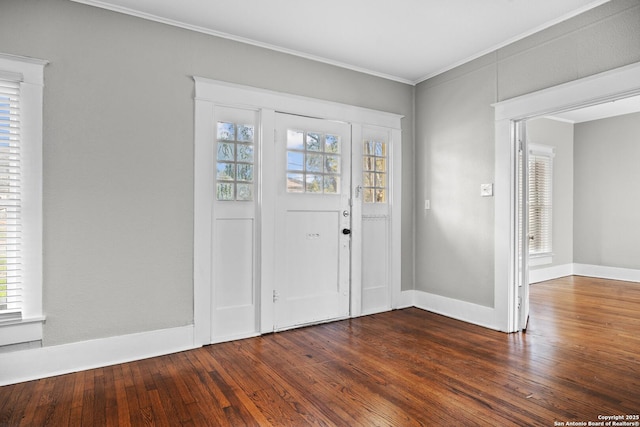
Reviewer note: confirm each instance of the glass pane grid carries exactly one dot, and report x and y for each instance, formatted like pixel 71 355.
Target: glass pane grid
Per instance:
pixel 313 162
pixel 374 172
pixel 235 162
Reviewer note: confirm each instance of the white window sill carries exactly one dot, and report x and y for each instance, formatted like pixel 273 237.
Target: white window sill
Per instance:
pixel 542 259
pixel 21 330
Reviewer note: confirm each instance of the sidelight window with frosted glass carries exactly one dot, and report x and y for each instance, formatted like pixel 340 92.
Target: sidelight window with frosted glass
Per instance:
pixel 235 162
pixel 313 162
pixel 374 172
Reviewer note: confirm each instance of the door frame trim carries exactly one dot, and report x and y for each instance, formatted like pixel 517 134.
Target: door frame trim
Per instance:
pixel 208 94
pixel 604 87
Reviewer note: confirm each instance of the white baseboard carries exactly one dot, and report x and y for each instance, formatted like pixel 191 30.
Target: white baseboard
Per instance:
pixel 600 271
pixel 604 272
pixel 406 299
pixel 549 273
pixel 26 365
pixel 457 309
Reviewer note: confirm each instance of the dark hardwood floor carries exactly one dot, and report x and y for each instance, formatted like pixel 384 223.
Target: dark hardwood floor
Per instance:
pixel 578 360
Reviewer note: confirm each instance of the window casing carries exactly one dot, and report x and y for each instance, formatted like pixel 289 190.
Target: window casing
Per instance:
pixel 21 89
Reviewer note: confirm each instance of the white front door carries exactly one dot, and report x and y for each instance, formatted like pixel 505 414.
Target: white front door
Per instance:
pixel 313 221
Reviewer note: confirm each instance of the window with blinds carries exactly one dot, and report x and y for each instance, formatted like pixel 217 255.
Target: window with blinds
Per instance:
pixel 540 200
pixel 10 200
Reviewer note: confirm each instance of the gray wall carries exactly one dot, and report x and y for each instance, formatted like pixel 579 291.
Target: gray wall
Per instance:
pixel 607 192
pixel 558 135
pixel 454 128
pixel 118 156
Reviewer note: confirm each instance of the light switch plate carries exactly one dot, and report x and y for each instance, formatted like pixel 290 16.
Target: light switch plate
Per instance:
pixel 486 190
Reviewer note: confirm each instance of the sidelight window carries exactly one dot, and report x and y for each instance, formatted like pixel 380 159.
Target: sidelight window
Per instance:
pixel 235 162
pixel 374 169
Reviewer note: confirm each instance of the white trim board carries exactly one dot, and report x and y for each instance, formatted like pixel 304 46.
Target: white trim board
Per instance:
pixel 210 94
pixel 588 270
pixel 461 310
pixel 27 365
pixel 604 272
pixel 607 86
pixel 406 299
pixel 549 273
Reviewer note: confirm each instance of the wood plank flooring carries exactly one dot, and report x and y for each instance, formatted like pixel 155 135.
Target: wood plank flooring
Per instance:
pixel 578 360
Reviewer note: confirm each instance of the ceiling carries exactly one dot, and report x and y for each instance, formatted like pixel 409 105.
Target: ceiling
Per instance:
pixel 403 40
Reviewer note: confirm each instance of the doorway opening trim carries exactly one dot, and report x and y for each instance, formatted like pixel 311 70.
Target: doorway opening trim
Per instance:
pixel 608 86
pixel 210 93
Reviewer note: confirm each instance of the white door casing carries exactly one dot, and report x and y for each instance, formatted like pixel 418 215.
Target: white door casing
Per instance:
pixel 211 96
pixel 608 86
pixel 522 207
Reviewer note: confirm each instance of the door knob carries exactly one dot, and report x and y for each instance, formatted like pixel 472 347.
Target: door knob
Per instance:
pixel 346 231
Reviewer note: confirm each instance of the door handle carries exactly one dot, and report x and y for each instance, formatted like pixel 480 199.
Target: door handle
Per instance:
pixel 346 231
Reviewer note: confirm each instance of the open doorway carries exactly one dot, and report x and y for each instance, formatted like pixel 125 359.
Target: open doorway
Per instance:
pixel 613 85
pixel 576 194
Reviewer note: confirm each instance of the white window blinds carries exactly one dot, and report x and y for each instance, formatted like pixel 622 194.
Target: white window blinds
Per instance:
pixel 540 201
pixel 10 200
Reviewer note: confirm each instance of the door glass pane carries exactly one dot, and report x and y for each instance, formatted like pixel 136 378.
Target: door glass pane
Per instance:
pixel 295 183
pixel 313 162
pixel 226 172
pixel 368 180
pixel 245 173
pixel 368 164
pixel 374 168
pixel 226 131
pixel 245 133
pixel 332 164
pixel 225 191
pixel 245 153
pixel 295 140
pixel 314 142
pixel 369 147
pixel 226 151
pixel 331 184
pixel 368 195
pixel 314 184
pixel 295 161
pixel 235 161
pixel 332 144
pixel 245 192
